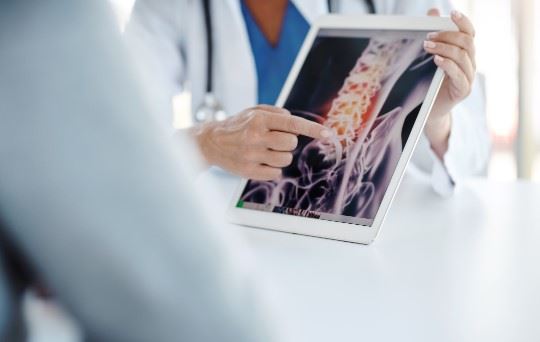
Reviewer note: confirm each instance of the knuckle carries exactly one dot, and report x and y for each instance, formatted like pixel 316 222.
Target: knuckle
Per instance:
pixel 274 173
pixel 292 142
pixel 439 48
pixel 251 113
pixel 468 42
pixel 462 54
pixel 446 67
pixel 262 107
pixel 263 177
pixel 275 159
pixel 293 126
pixel 283 159
pixel 252 134
pixel 257 118
pixel 270 158
pixel 449 50
pixel 287 159
pixel 447 36
pixel 314 131
pixel 445 63
pixel 438 36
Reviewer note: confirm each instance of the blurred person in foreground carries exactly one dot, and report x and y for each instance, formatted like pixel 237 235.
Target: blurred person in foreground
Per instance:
pixel 96 201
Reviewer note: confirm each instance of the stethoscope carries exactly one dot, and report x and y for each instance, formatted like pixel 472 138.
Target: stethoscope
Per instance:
pixel 210 108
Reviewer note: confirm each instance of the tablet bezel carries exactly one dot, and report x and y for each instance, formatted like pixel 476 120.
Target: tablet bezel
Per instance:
pixel 331 229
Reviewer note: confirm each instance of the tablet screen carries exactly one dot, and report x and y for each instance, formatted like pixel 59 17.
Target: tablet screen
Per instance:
pixel 368 87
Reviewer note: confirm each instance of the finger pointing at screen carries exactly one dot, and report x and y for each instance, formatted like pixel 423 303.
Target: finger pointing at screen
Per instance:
pixel 296 125
pixel 257 143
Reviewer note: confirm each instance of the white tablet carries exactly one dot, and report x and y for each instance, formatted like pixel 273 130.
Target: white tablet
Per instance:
pixel 370 81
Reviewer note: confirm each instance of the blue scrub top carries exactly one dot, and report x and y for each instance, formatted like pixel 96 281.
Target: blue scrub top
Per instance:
pixel 273 63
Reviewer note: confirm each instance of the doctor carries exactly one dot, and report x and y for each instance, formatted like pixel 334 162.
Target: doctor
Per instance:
pixel 235 54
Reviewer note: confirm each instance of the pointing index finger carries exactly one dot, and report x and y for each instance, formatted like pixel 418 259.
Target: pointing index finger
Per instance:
pixel 272 109
pixel 296 125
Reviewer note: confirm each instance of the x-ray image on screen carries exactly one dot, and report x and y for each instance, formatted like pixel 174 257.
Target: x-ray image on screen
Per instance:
pixel 369 91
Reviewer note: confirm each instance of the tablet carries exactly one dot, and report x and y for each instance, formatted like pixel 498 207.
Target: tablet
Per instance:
pixel 369 79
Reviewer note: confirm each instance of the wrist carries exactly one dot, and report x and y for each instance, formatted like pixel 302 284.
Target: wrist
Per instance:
pixel 438 123
pixel 200 135
pixel 437 131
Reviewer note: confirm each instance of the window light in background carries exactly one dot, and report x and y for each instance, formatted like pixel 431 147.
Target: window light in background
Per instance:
pixel 536 90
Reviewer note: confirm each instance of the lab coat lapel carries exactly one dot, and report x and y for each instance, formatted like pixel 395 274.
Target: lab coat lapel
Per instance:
pixel 311 9
pixel 235 74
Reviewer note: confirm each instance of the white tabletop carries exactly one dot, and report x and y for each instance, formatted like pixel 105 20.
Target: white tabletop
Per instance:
pixel 458 269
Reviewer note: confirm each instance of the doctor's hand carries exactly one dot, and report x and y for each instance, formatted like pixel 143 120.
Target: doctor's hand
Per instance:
pixel 256 143
pixel 455 55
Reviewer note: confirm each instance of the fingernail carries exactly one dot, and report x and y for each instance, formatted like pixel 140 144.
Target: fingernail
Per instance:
pixel 432 35
pixel 325 133
pixel 429 44
pixel 439 59
pixel 457 14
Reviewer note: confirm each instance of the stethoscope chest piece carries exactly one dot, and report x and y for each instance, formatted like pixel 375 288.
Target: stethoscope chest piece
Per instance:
pixel 210 110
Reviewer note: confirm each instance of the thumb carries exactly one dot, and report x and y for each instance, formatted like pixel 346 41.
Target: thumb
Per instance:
pixel 434 12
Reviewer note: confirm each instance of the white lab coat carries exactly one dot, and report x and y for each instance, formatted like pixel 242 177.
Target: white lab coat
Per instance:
pixel 169 37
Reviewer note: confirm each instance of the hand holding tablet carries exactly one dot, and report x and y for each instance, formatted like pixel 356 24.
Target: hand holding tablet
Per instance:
pixel 455 54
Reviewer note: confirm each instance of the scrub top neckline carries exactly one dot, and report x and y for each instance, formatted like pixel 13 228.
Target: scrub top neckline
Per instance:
pixel 247 12
pixel 273 63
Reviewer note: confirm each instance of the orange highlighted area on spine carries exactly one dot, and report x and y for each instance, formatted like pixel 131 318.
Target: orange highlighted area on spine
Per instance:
pixel 353 109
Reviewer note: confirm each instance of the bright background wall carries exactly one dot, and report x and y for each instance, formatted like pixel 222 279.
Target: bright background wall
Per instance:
pixel 510 98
